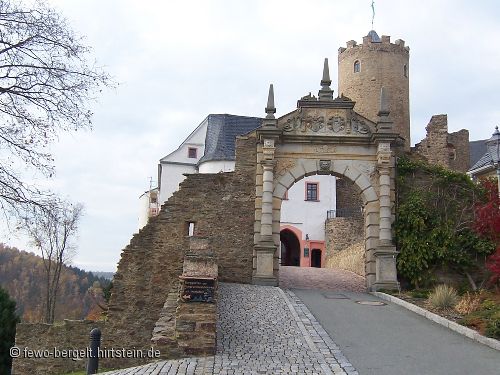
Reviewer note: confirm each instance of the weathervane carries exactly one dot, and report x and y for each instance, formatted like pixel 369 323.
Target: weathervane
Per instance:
pixel 373 12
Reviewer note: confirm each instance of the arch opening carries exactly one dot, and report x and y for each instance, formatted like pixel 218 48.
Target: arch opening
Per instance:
pixel 358 214
pixel 290 248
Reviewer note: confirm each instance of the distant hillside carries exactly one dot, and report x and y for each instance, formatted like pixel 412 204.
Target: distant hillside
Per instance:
pixel 106 275
pixel 22 275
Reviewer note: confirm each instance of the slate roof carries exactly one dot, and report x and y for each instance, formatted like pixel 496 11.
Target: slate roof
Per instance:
pixel 477 150
pixel 484 161
pixel 222 131
pixel 374 36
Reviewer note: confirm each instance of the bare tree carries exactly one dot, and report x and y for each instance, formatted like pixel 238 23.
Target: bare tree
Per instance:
pixel 46 86
pixel 53 233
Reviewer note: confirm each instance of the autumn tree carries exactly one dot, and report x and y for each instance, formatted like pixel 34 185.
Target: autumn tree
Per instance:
pixel 8 321
pixel 53 233
pixel 487 224
pixel 46 86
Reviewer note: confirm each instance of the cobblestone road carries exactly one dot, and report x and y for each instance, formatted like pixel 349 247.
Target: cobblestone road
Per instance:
pixel 321 278
pixel 261 330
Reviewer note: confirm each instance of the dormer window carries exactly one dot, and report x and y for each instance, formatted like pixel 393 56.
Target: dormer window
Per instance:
pixel 192 152
pixel 357 66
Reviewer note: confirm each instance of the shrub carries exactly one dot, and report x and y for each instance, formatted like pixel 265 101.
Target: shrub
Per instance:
pixel 493 328
pixel 420 293
pixel 469 303
pixel 443 297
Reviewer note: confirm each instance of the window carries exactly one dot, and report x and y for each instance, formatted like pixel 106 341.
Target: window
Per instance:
pixel 311 191
pixel 405 70
pixel 192 152
pixel 356 66
pixel 190 228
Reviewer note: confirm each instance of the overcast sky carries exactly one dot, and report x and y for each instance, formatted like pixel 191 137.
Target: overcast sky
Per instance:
pixel 178 61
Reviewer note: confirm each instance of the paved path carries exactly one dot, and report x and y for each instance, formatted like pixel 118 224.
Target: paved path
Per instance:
pixel 261 330
pixel 390 340
pixel 320 278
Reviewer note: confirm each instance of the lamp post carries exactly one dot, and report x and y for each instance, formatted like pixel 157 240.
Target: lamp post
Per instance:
pixel 493 145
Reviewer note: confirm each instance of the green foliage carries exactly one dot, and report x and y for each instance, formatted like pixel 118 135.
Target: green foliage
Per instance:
pixel 107 291
pixel 420 293
pixel 443 297
pixel 434 216
pixel 8 321
pixel 493 328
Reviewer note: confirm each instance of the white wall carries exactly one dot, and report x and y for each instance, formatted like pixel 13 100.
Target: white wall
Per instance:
pixel 143 210
pixel 309 216
pixel 216 166
pixel 170 177
pixel 170 173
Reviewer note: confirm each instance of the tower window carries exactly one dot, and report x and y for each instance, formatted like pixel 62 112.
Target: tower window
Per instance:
pixel 357 66
pixel 405 70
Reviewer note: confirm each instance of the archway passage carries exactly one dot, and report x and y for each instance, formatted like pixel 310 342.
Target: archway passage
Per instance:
pixel 290 248
pixel 316 258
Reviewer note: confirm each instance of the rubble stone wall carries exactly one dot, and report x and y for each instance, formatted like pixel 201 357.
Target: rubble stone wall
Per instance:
pixel 221 206
pixel 342 235
pixel 53 339
pixel 450 150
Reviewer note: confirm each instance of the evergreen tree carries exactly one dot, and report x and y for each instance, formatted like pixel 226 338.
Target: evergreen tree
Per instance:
pixel 8 321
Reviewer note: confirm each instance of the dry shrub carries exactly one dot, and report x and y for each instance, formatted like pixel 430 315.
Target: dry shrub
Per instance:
pixel 469 303
pixel 443 297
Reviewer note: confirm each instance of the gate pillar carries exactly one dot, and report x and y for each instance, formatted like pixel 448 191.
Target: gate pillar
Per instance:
pixel 385 253
pixel 265 250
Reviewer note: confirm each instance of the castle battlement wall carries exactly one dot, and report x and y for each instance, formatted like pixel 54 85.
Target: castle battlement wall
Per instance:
pixel 363 69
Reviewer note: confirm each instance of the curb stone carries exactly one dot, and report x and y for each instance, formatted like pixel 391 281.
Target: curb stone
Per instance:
pixel 470 333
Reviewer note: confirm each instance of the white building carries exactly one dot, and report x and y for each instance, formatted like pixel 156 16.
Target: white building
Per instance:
pixel 303 215
pixel 148 206
pixel 210 148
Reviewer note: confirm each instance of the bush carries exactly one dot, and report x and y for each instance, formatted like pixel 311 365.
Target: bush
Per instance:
pixel 469 303
pixel 443 297
pixel 493 328
pixel 8 321
pixel 420 293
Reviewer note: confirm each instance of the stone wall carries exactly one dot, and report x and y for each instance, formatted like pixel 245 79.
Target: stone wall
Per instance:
pixel 221 206
pixel 69 335
pixel 450 150
pixel 348 195
pixel 345 243
pixel 342 232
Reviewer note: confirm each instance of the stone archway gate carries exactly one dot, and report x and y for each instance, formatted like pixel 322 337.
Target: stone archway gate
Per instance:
pixel 326 136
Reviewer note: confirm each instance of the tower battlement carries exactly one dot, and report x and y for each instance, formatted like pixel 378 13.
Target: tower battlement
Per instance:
pixel 374 42
pixel 363 69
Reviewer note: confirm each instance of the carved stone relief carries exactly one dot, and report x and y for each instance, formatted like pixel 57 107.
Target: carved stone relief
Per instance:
pixel 319 124
pixel 324 165
pixel 325 149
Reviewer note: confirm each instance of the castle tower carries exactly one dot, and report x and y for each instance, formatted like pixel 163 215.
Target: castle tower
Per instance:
pixel 364 69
